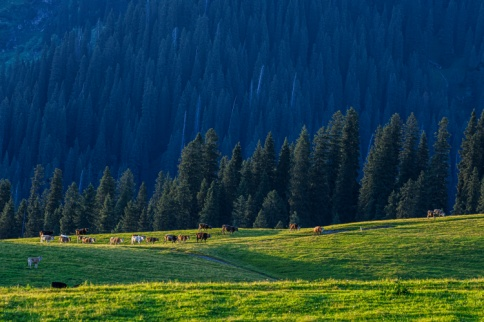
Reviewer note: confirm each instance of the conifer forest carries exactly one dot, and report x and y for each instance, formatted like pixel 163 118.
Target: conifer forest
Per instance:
pixel 159 114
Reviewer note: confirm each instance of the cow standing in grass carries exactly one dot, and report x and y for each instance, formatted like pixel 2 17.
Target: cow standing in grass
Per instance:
pixel 294 227
pixel 202 236
pixel 152 239
pixel 203 226
pixel 171 238
pixel 115 240
pixel 318 230
pixel 34 260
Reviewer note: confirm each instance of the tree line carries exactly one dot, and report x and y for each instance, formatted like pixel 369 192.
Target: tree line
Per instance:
pixel 315 180
pixel 128 83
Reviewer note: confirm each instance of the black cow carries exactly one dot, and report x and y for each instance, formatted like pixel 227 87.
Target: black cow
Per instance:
pixel 171 238
pixel 152 239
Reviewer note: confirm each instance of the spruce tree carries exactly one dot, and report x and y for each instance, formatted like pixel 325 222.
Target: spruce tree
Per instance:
pixel 299 183
pixel 273 210
pixel 129 220
pixel 391 207
pixel 20 218
pixel 408 154
pixel 439 168
pixel 269 157
pixel 107 186
pixel 210 155
pixel 105 223
pixel 89 212
pixel 71 211
pixel 231 180
pixel 480 205
pixel 35 221
pixel 5 192
pixel 283 171
pixel 345 197
pixel 409 200
pixel 238 212
pixel 465 165
pixel 211 210
pixel 7 220
pixel 422 154
pixel 319 186
pixel 53 201
pixel 165 214
pixel 472 190
pixel 126 189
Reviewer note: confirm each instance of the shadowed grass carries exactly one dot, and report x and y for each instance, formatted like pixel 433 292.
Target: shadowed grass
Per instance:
pixel 429 300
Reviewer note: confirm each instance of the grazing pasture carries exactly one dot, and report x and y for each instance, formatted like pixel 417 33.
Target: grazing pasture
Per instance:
pixel 413 268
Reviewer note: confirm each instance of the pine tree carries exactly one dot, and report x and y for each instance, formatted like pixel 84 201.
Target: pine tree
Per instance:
pixel 7 220
pixel 71 210
pixel 53 201
pixel 480 205
pixel 5 192
pixel 164 217
pixel 466 164
pixel 210 155
pixel 472 190
pixel 299 183
pixel 155 198
pixel 211 210
pixel 35 221
pixel 273 210
pixel 231 180
pixel 422 154
pixel 319 185
pixel 126 188
pixel 408 205
pixel 20 218
pixel 335 131
pixel 129 220
pixel 106 222
pixel 391 207
pixel 89 212
pixel 107 186
pixel 408 155
pixel 439 168
pixel 238 212
pixel 345 197
pixel 269 157
pixel 283 171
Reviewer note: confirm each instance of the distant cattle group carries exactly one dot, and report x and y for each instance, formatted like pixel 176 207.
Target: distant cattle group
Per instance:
pixel 435 213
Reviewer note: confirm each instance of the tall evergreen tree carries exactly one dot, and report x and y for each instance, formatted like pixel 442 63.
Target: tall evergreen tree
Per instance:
pixel 408 205
pixel 126 189
pixel 283 171
pixel 5 192
pixel 319 185
pixel 408 154
pixel 105 223
pixel 129 220
pixel 20 218
pixel 7 220
pixel 273 210
pixel 71 210
pixel 480 204
pixel 35 221
pixel 472 191
pixel 89 212
pixel 164 217
pixel 210 155
pixel 53 201
pixel 107 186
pixel 345 198
pixel 439 168
pixel 230 181
pixel 465 165
pixel 299 183
pixel 211 210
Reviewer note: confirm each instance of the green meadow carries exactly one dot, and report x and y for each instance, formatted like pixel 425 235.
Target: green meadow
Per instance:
pixel 413 269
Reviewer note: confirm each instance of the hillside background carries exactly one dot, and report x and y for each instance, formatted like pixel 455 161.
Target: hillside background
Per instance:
pixel 85 84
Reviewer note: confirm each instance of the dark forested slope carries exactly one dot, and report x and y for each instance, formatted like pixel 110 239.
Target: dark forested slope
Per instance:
pixel 128 84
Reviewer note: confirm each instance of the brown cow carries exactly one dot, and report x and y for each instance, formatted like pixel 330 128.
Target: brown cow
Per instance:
pixel 294 227
pixel 115 240
pixel 171 238
pixel 183 238
pixel 203 226
pixel 318 230
pixel 152 239
pixel 45 232
pixel 430 214
pixel 88 240
pixel 81 231
pixel 203 236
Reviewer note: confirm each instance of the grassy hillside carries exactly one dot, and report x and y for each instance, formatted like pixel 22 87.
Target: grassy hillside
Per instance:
pixel 413 269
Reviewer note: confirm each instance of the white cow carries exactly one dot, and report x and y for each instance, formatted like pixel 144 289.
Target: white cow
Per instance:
pixel 137 239
pixel 46 238
pixel 34 260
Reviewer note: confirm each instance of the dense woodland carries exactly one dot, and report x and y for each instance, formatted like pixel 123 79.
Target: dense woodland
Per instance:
pixel 312 181
pixel 128 85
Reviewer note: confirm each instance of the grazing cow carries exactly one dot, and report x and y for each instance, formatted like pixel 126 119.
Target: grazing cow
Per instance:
pixel 34 260
pixel 64 239
pixel 81 231
pixel 202 236
pixel 430 214
pixel 439 213
pixel 46 238
pixel 152 239
pixel 183 238
pixel 115 240
pixel 294 227
pixel 318 230
pixel 230 229
pixel 58 285
pixel 88 240
pixel 203 226
pixel 137 239
pixel 171 238
pixel 45 232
